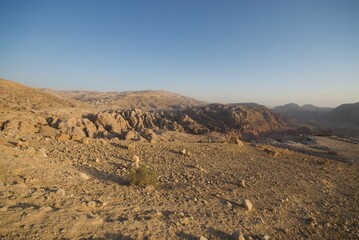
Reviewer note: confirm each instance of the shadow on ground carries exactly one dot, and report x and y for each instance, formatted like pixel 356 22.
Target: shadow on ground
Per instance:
pixel 103 175
pixel 186 236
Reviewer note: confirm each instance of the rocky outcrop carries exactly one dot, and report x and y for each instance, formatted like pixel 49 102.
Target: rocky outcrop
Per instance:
pixel 129 124
pixel 138 124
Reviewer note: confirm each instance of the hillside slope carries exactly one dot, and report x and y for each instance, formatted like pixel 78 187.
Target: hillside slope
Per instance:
pixel 147 100
pixel 15 96
pixel 306 112
pixel 345 113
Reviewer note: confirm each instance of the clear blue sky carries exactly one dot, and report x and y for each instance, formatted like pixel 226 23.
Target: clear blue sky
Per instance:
pixel 270 52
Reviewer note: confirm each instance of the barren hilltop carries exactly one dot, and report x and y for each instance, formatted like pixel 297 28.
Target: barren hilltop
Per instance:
pixel 147 100
pixel 156 165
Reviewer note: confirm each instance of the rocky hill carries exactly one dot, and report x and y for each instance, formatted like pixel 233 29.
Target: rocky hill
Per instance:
pixel 15 96
pixel 306 112
pixel 345 113
pixel 148 99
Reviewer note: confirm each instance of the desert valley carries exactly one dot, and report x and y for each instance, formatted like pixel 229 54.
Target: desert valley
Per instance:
pixel 158 165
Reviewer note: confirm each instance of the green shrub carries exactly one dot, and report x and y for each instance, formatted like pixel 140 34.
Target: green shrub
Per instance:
pixel 143 176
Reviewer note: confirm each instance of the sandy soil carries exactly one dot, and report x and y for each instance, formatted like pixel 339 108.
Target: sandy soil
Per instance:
pixel 81 191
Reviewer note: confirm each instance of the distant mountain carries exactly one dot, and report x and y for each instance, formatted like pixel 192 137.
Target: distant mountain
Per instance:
pixel 295 107
pixel 345 113
pixel 148 99
pixel 16 96
pixel 306 112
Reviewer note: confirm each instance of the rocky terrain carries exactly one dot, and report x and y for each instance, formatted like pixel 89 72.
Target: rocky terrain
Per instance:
pixel 221 171
pixel 135 124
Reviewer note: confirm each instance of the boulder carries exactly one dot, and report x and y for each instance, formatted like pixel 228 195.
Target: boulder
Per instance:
pixel 62 137
pixel 131 135
pixel 89 128
pixel 48 131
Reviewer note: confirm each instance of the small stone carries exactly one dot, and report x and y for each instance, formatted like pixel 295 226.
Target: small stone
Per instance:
pixel 86 141
pixel 135 159
pixel 102 203
pixel 238 236
pixel 184 151
pixel 180 214
pixel 203 238
pixel 229 204
pixel 60 191
pixel 239 142
pixel 265 237
pixel 42 152
pixel 97 160
pixel 248 205
pixel 31 150
pixel 46 209
pixel 84 176
pixel 91 204
pixel 22 144
pixel 158 214
pixel 243 183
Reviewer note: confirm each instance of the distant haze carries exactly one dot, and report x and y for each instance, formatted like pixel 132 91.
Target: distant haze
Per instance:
pixel 269 52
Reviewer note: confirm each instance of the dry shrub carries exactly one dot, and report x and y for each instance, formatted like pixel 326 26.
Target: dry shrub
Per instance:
pixel 143 176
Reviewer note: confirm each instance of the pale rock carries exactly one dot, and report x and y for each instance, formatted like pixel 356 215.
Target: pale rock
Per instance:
pixel 248 205
pixel 243 183
pixel 184 151
pixel 60 191
pixel 91 204
pixel 135 162
pixel 84 176
pixel 42 152
pixel 46 209
pixel 239 143
pixel 135 159
pixel 31 150
pixel 22 144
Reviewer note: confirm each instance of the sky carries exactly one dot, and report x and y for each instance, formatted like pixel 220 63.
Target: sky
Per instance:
pixel 267 51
